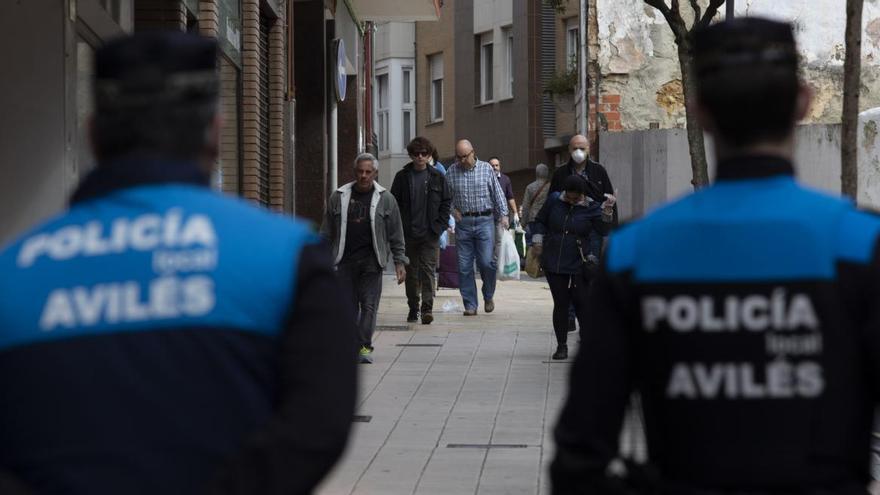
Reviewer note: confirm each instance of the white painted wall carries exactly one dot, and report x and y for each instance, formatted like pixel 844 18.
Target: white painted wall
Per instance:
pixel 394 51
pixel 493 16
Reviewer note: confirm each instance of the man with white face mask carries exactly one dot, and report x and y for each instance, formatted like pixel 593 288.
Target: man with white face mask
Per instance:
pixel 579 163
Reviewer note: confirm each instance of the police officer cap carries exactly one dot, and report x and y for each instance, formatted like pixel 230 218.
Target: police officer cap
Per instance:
pixel 155 68
pixel 744 42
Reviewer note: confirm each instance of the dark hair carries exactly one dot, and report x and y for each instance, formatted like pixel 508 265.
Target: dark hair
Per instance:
pixel 494 158
pixel 155 95
pixel 575 183
pixel 420 143
pixel 747 79
pixel 170 131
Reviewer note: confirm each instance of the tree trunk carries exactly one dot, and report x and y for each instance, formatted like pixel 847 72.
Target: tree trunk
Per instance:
pixel 852 68
pixel 696 145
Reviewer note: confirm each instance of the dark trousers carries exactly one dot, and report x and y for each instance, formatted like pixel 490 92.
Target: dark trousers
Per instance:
pixel 365 281
pixel 567 291
pixel 420 272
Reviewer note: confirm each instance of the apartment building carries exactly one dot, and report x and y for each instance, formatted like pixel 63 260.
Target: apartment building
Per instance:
pixel 482 71
pixel 293 93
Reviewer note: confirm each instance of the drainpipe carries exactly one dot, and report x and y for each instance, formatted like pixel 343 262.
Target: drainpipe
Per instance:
pixel 730 8
pixel 583 124
pixel 334 147
pixel 368 85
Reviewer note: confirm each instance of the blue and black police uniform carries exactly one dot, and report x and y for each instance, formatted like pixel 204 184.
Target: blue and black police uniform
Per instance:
pixel 159 337
pixel 747 317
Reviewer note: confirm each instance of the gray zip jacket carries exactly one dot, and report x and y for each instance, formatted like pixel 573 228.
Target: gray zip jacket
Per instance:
pixel 384 220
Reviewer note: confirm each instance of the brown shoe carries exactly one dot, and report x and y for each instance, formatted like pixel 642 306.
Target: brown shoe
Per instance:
pixel 427 317
pixel 470 312
pixel 490 305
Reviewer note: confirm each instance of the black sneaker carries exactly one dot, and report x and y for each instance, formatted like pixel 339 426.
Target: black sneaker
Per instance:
pixel 413 316
pixel 561 352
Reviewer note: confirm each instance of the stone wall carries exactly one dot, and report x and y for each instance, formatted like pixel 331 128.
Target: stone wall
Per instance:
pixel 638 57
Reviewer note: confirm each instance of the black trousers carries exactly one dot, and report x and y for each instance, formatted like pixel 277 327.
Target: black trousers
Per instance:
pixel 420 273
pixel 567 290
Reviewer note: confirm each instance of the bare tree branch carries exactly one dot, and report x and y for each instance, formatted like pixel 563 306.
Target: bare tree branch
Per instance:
pixel 711 10
pixel 695 4
pixel 673 17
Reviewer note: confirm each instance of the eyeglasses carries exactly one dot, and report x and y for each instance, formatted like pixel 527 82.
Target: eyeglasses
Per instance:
pixel 580 148
pixel 420 153
pixel 462 157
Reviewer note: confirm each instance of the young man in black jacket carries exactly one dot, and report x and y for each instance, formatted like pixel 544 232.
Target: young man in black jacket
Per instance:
pixel 425 202
pixel 746 315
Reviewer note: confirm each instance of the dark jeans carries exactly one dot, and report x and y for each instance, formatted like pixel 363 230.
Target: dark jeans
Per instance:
pixel 422 254
pixel 365 281
pixel 567 291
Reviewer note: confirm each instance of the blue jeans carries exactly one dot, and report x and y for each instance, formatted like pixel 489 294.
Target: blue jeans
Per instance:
pixel 475 239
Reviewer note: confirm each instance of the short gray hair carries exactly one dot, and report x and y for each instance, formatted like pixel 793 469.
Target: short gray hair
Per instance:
pixel 542 171
pixel 367 157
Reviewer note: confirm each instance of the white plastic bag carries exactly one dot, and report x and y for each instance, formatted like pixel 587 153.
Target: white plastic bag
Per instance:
pixel 508 258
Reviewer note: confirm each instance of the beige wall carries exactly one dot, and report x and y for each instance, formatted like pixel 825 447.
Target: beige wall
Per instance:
pixel 565 121
pixel 432 38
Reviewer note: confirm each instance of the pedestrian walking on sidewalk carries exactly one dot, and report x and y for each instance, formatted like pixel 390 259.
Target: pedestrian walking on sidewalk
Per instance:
pixel 534 198
pixel 425 202
pixel 478 204
pixel 512 211
pixel 745 315
pixel 362 224
pixel 598 183
pixel 567 233
pixel 160 337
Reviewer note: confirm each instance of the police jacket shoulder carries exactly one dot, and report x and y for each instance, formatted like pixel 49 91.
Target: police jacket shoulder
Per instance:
pixel 811 231
pixel 195 329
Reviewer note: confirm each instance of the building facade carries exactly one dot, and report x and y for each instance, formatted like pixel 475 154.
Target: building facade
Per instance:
pixel 294 97
pixel 482 71
pixel 394 95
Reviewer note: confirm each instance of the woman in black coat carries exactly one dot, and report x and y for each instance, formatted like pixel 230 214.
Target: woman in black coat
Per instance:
pixel 568 235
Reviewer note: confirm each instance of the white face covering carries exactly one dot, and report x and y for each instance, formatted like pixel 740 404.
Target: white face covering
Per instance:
pixel 579 155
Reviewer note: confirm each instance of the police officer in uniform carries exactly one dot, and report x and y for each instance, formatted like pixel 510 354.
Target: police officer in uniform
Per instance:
pixel 159 337
pixel 746 315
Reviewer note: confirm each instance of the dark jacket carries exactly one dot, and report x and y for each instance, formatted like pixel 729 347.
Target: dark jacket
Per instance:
pixel 750 334
pixel 439 197
pixel 598 184
pixel 567 232
pixel 160 337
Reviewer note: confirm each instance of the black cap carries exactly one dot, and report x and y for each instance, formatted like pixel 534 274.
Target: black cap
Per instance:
pixel 152 68
pixel 743 42
pixel 575 183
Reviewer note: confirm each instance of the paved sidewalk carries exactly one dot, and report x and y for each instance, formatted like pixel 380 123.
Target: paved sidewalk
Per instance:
pixel 438 394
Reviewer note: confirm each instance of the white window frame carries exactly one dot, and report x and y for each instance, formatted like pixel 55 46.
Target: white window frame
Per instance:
pixel 487 68
pixel 409 89
pixel 382 105
pixel 507 69
pixel 572 43
pixel 435 89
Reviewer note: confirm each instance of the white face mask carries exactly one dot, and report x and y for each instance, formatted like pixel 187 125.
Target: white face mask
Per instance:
pixel 579 155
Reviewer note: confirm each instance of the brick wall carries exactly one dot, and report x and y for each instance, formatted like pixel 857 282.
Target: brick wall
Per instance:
pixel 250 108
pixel 277 73
pixel 230 158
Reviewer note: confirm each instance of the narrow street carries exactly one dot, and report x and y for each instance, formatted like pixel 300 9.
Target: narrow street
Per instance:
pixel 465 405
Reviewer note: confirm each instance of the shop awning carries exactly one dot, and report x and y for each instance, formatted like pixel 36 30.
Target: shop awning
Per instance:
pixel 396 10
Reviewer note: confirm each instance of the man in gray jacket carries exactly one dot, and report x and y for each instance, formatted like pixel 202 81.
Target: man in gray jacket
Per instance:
pixel 362 224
